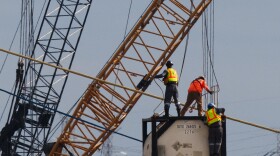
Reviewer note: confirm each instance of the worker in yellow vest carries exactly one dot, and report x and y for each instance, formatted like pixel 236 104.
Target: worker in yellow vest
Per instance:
pixel 170 79
pixel 214 122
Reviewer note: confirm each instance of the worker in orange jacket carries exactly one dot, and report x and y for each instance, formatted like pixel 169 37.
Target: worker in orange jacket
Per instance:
pixel 170 79
pixel 195 93
pixel 215 129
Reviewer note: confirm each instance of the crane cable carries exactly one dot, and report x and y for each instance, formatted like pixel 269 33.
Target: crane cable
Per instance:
pixel 23 44
pixel 10 47
pixel 127 20
pixel 125 33
pixel 184 57
pixel 2 67
pixel 208 53
pixel 185 52
pixel 208 49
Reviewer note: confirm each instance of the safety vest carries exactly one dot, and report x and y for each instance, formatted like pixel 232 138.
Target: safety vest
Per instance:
pixel 212 116
pixel 171 76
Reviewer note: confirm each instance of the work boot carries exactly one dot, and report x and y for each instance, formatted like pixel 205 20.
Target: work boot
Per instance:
pixel 166 111
pixel 166 116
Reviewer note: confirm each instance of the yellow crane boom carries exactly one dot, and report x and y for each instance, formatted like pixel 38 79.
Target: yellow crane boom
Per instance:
pixel 150 43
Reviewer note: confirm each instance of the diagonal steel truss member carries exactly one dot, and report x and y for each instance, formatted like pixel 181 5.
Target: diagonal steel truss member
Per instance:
pixel 150 43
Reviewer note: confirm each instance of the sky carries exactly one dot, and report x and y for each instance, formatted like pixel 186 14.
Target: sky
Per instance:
pixel 246 41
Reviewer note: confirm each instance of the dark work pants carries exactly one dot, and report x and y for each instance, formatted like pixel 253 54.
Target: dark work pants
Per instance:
pixel 215 140
pixel 171 91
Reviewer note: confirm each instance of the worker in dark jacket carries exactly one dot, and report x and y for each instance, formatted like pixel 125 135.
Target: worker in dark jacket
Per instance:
pixel 214 122
pixel 195 94
pixel 170 79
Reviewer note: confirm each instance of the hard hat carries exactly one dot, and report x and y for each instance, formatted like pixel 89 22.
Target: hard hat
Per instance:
pixel 201 77
pixel 169 63
pixel 211 105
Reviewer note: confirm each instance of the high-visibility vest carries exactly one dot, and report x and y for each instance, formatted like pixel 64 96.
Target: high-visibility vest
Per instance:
pixel 212 116
pixel 171 76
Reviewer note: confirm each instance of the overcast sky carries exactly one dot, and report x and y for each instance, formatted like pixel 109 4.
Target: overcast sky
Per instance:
pixel 246 64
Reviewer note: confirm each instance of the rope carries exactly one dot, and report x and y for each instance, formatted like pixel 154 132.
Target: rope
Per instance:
pixel 80 74
pixel 103 81
pixel 252 124
pixel 248 123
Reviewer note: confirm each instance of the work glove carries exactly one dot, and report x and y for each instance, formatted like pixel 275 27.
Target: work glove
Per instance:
pixel 211 92
pixel 223 117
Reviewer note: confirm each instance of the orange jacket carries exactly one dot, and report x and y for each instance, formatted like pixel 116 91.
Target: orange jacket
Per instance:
pixel 197 85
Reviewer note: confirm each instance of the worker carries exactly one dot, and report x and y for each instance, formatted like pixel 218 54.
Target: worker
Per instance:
pixel 195 93
pixel 170 79
pixel 214 122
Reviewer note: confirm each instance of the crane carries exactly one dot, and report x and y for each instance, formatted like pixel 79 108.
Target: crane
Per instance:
pixel 27 130
pixel 147 47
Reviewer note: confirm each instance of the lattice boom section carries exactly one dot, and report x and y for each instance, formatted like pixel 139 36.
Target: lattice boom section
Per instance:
pixel 57 42
pixel 150 44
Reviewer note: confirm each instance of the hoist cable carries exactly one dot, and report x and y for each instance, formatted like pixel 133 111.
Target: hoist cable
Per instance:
pixel 127 20
pixel 15 34
pixel 12 42
pixel 185 52
pixel 23 14
pixel 208 50
pixel 14 37
pixel 184 57
pixel 125 30
pixel 208 53
pixel 10 47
